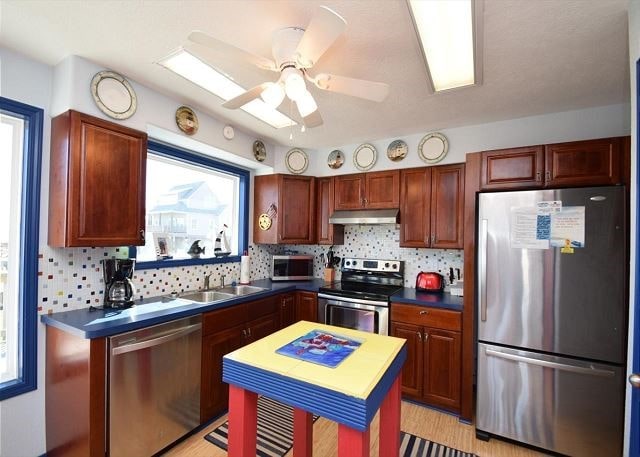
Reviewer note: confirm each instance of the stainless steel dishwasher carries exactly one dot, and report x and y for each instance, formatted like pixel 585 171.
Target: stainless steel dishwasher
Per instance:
pixel 154 386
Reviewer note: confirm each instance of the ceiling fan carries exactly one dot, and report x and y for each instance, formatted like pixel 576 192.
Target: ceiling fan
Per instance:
pixel 295 51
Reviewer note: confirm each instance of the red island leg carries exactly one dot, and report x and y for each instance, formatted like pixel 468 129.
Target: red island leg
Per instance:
pixel 302 433
pixel 243 417
pixel 390 421
pixel 352 442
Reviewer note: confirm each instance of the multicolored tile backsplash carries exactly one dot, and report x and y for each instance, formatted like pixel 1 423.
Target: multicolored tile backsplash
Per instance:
pixel 71 278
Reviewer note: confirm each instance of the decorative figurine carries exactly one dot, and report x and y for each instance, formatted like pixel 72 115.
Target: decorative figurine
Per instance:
pixel 195 250
pixel 221 247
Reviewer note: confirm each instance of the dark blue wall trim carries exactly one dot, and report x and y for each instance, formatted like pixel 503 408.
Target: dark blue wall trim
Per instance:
pixel 29 231
pixel 202 160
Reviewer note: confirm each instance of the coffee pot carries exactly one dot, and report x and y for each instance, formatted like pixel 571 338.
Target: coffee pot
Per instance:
pixel 119 288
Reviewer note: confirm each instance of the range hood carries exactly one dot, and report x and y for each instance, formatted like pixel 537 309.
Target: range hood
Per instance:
pixel 365 216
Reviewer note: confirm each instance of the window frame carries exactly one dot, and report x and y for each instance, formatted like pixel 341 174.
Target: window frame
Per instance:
pixel 195 158
pixel 27 362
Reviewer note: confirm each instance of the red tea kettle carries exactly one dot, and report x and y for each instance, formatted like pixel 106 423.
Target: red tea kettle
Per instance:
pixel 429 281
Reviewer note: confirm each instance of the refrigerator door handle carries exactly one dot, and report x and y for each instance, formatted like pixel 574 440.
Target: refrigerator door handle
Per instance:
pixel 482 266
pixel 549 364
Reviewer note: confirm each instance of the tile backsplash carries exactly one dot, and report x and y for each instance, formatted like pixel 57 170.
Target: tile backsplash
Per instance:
pixel 71 278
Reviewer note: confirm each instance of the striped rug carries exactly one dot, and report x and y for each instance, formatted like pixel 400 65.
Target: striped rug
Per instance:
pixel 275 435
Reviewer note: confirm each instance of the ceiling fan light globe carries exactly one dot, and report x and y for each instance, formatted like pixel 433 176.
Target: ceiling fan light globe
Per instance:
pixel 294 85
pixel 273 95
pixel 306 104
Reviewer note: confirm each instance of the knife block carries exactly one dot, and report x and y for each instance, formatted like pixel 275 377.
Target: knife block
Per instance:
pixel 329 275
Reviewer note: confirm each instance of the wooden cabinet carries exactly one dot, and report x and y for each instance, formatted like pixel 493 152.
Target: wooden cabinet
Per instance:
pixel 578 163
pixel 224 331
pixel 291 200
pixel 376 190
pixel 432 206
pixel 327 233
pixel 287 309
pixel 306 306
pixel 96 183
pixel 432 371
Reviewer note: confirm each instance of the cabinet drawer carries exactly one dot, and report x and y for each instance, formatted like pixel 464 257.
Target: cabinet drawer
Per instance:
pixel 262 307
pixel 429 317
pixel 222 319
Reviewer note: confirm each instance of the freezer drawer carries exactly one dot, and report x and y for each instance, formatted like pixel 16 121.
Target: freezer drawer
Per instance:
pixel 564 405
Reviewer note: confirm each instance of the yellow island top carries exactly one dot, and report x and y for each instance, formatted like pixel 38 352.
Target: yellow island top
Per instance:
pixel 355 376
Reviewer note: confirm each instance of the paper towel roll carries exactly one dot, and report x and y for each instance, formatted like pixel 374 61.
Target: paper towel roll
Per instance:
pixel 244 270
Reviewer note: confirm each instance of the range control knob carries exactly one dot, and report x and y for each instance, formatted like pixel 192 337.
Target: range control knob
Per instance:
pixel 395 266
pixel 354 263
pixel 348 263
pixel 386 265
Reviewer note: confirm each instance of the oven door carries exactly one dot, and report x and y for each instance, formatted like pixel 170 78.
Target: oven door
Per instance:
pixel 366 315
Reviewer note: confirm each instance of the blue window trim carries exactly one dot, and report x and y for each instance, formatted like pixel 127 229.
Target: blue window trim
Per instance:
pixel 29 243
pixel 183 155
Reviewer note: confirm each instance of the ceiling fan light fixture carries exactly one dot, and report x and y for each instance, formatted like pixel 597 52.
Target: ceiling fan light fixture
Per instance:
pixel 306 104
pixel 273 95
pixel 448 33
pixel 294 85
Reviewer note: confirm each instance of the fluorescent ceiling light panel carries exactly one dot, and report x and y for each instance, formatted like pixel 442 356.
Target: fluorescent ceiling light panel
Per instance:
pixel 198 72
pixel 445 30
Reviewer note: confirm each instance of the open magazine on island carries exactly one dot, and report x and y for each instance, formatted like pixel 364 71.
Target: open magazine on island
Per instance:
pixel 321 347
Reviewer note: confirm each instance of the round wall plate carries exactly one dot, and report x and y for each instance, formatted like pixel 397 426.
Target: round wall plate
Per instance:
pixel 433 148
pixel 228 132
pixel 335 159
pixel 264 222
pixel 364 157
pixel 397 150
pixel 187 120
pixel 296 161
pixel 113 94
pixel 259 151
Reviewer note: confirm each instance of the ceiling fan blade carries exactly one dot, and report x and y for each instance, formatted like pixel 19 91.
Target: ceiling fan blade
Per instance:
pixel 369 90
pixel 230 50
pixel 323 30
pixel 245 97
pixel 313 120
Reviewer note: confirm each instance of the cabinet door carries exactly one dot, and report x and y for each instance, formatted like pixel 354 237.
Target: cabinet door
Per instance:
pixel 214 394
pixel 415 208
pixel 287 309
pixel 447 206
pixel 264 326
pixel 512 168
pixel 442 361
pixel 382 189
pixel 327 233
pixel 412 369
pixel 307 307
pixel 584 163
pixel 349 191
pixel 297 209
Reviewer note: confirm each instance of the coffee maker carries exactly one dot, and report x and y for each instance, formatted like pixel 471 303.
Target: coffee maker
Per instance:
pixel 118 287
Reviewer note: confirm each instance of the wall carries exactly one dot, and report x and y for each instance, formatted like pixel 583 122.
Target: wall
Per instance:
pixel 634 55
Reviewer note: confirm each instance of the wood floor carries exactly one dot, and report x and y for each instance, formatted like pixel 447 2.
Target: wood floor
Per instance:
pixel 420 421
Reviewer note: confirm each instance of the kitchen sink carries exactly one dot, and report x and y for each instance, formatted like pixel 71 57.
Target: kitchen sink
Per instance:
pixel 241 290
pixel 207 296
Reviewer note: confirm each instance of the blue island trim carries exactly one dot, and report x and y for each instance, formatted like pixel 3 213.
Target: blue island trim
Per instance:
pixel 354 412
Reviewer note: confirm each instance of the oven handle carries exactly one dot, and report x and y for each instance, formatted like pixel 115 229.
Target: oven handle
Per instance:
pixel 354 300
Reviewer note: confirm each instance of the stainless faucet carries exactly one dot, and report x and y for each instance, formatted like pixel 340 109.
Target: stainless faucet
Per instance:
pixel 222 281
pixel 206 281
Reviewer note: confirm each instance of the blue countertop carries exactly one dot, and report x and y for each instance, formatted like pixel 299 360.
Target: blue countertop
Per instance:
pixel 432 299
pixel 97 323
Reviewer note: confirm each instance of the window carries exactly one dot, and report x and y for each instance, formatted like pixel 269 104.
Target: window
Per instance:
pixel 192 198
pixel 20 157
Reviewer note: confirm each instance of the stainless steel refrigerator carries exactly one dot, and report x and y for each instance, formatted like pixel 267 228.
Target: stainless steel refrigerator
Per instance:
pixel 552 318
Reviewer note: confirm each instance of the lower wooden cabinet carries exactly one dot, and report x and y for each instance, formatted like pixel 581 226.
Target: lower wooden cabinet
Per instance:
pixel 431 373
pixel 307 306
pixel 287 310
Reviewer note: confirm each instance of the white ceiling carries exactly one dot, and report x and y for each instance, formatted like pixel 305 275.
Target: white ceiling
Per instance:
pixel 539 57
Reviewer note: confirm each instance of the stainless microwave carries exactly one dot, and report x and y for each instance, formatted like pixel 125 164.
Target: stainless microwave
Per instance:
pixel 291 267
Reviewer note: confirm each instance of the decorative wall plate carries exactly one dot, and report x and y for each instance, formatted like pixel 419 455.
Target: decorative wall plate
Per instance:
pixel 187 120
pixel 259 151
pixel 264 222
pixel 364 158
pixel 397 150
pixel 433 147
pixel 335 159
pixel 113 94
pixel 296 161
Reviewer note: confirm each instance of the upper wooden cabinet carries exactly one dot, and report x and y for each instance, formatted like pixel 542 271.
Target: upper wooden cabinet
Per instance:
pixel 376 190
pixel 432 206
pixel 327 233
pixel 578 163
pixel 96 183
pixel 292 202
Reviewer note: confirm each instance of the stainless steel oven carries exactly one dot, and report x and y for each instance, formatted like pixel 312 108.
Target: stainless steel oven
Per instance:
pixel 361 299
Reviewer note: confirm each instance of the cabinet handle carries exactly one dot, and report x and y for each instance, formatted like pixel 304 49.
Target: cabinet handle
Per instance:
pixel 244 333
pixel 547 176
pixel 249 331
pixel 420 336
pixel 539 176
pixel 426 336
pixel 142 234
pixel 422 313
pixel 433 239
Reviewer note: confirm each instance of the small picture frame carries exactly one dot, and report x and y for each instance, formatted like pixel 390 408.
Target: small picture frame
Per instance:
pixel 163 246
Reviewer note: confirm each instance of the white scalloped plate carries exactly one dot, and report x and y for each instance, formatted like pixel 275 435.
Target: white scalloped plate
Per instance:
pixel 364 158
